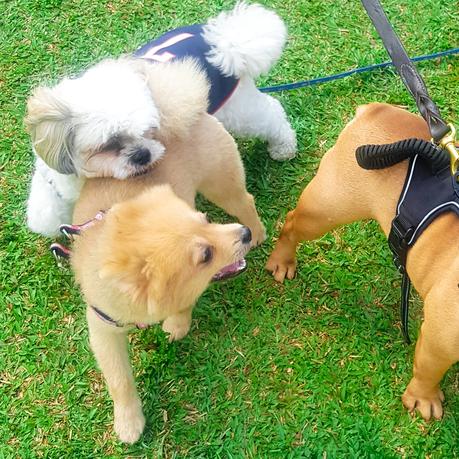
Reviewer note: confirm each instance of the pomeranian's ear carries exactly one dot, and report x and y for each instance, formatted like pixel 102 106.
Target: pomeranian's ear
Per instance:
pixel 123 261
pixel 49 122
pixel 130 274
pixel 135 278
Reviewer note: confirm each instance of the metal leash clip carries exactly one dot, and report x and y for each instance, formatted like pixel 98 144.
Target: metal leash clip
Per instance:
pixel 448 143
pixel 60 252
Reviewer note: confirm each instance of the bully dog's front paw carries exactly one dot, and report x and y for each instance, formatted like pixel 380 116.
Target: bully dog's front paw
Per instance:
pixel 281 266
pixel 129 422
pixel 428 403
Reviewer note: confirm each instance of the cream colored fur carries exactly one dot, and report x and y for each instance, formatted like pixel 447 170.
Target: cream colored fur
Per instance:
pixel 110 121
pixel 180 91
pixel 142 263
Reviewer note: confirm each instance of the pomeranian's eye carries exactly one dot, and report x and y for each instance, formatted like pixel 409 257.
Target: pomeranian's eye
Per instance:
pixel 207 254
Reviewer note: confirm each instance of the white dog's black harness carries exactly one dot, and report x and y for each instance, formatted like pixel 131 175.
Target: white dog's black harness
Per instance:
pixel 185 42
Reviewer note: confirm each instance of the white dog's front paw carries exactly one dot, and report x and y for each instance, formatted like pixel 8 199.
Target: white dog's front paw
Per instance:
pixel 129 423
pixel 47 207
pixel 44 220
pixel 283 149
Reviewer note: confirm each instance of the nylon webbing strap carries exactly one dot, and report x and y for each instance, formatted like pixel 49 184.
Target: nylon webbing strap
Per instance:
pixel 405 306
pixel 406 69
pixel 400 233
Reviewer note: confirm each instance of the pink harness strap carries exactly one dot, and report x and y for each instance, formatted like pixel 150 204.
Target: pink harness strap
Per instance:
pixel 60 251
pixel 71 230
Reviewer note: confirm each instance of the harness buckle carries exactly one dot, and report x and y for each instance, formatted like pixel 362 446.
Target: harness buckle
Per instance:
pixel 398 242
pixel 448 143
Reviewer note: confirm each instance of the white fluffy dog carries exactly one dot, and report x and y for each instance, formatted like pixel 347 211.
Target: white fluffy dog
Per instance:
pixel 106 122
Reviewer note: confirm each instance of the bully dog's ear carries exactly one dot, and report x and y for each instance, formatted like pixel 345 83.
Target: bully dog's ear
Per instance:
pixel 49 122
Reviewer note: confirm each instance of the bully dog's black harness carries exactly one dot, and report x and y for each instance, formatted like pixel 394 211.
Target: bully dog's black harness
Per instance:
pixel 432 182
pixel 429 191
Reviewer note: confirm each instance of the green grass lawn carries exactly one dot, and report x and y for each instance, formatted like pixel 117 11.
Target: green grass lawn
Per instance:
pixel 312 368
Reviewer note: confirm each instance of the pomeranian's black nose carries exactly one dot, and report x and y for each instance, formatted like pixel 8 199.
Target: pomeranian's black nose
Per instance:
pixel 141 157
pixel 246 235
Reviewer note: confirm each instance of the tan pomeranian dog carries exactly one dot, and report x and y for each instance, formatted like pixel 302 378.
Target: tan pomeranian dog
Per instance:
pixel 151 255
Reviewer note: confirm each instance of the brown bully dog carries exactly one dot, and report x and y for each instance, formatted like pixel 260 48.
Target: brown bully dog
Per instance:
pixel 341 193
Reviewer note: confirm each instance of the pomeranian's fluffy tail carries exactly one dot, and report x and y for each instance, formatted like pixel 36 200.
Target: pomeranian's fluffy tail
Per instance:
pixel 245 41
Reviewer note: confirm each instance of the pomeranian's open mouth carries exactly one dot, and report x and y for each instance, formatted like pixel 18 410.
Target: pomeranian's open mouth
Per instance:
pixel 231 270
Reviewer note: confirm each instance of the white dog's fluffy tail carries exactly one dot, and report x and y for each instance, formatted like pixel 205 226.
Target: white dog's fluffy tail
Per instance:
pixel 245 41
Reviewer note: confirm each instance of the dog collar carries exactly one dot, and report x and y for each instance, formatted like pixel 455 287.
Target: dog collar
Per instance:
pixel 108 320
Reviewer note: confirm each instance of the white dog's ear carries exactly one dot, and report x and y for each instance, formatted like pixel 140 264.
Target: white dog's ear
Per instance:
pixel 49 122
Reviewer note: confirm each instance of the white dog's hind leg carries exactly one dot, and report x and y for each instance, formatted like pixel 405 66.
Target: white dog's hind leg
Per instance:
pixel 250 113
pixel 51 199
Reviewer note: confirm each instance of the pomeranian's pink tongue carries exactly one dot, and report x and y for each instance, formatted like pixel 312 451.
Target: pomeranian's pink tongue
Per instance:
pixel 231 270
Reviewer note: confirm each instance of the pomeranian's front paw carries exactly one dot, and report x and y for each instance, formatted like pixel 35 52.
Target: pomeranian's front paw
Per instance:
pixel 258 234
pixel 177 326
pixel 129 422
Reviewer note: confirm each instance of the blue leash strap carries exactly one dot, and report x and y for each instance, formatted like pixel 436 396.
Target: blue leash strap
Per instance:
pixel 339 76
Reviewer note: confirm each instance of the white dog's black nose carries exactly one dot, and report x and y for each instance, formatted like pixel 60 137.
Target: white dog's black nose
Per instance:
pixel 141 157
pixel 246 235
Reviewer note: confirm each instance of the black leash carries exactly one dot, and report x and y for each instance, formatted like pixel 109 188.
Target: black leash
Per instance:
pixel 406 69
pixel 443 135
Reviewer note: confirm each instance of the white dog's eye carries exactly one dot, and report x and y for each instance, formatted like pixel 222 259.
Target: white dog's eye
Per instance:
pixel 114 144
pixel 150 133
